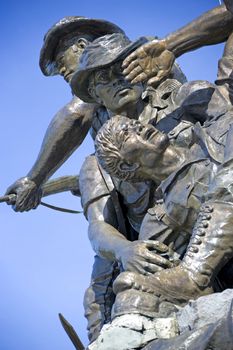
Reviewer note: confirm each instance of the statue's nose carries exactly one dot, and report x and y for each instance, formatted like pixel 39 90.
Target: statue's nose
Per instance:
pixel 119 81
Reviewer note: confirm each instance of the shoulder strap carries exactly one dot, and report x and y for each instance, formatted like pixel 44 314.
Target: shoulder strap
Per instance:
pixel 116 204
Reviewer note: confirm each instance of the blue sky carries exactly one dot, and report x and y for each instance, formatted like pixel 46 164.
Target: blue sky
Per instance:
pixel 45 256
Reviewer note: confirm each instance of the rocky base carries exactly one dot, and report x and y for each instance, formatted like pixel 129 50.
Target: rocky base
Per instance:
pixel 133 332
pixel 203 324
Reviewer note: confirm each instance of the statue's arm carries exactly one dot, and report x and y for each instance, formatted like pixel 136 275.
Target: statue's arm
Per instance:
pixel 65 133
pixel 211 28
pixel 109 243
pixel 205 101
pixel 152 62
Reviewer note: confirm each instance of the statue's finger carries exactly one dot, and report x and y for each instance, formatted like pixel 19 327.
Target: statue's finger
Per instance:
pixel 157 260
pixel 22 199
pixel 11 200
pixel 139 78
pixel 137 54
pixel 129 59
pixel 134 73
pixel 156 245
pixel 155 80
pixel 152 268
pixel 25 202
pixel 136 267
pixel 130 67
pixel 31 204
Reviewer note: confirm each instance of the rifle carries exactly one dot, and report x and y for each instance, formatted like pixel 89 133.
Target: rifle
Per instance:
pixel 61 184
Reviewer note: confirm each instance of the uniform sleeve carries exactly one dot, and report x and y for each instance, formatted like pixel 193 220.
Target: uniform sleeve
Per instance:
pixel 225 69
pixel 93 185
pixel 198 101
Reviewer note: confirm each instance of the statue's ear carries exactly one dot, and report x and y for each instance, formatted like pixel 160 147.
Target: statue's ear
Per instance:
pixel 91 91
pixel 82 43
pixel 126 167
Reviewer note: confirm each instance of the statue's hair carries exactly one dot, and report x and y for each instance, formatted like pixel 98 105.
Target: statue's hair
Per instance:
pixel 108 143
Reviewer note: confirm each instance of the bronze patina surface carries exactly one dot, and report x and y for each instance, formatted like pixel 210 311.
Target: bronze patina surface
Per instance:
pixel 155 192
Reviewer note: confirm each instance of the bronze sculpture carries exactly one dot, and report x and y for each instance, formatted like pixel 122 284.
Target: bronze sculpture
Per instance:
pixel 159 107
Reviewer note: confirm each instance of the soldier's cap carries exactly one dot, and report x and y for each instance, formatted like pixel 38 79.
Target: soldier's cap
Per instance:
pixel 76 25
pixel 101 53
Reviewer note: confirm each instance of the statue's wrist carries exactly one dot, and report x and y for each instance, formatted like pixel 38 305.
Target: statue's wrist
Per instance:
pixel 38 181
pixel 120 252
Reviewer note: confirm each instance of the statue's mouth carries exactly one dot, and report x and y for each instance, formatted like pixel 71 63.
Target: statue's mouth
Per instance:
pixel 150 133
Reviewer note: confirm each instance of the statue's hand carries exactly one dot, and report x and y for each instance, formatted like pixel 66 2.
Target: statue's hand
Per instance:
pixel 151 62
pixel 28 194
pixel 144 257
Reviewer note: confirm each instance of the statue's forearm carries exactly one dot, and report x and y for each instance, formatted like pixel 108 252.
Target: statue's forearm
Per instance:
pixel 65 133
pixel 211 28
pixel 106 241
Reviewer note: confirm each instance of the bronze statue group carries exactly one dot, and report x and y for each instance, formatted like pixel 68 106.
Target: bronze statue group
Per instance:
pixel 158 193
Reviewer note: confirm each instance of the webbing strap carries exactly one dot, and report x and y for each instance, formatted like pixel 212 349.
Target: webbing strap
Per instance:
pixel 116 203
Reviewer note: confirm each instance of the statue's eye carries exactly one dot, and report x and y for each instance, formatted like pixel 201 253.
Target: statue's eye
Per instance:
pixel 117 68
pixel 75 48
pixel 102 76
pixel 60 61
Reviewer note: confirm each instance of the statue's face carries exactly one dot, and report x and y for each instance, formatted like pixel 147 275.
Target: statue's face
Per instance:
pixel 113 90
pixel 144 145
pixel 67 60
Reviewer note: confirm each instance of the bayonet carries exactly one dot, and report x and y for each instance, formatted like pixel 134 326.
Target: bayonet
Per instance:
pixel 71 333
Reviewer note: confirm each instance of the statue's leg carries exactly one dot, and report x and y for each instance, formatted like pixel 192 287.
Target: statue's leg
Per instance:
pixel 99 297
pixel 135 297
pixel 210 248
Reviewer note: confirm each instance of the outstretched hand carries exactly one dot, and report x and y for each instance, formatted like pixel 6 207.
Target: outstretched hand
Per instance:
pixel 28 195
pixel 150 63
pixel 144 257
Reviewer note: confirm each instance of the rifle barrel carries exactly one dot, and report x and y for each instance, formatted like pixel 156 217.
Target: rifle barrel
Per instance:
pixel 61 184
pixel 7 198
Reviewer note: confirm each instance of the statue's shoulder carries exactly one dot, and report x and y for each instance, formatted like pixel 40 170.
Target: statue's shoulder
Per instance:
pixel 94 182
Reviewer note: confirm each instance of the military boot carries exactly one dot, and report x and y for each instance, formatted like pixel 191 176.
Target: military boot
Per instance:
pixel 210 248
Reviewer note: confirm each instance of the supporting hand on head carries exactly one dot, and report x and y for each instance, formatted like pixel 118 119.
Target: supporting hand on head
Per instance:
pixel 150 63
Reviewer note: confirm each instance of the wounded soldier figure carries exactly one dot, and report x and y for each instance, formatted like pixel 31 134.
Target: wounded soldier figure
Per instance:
pixel 196 188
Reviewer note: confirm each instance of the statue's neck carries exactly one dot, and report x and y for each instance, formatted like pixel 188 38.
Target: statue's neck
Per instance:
pixel 170 161
pixel 132 110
